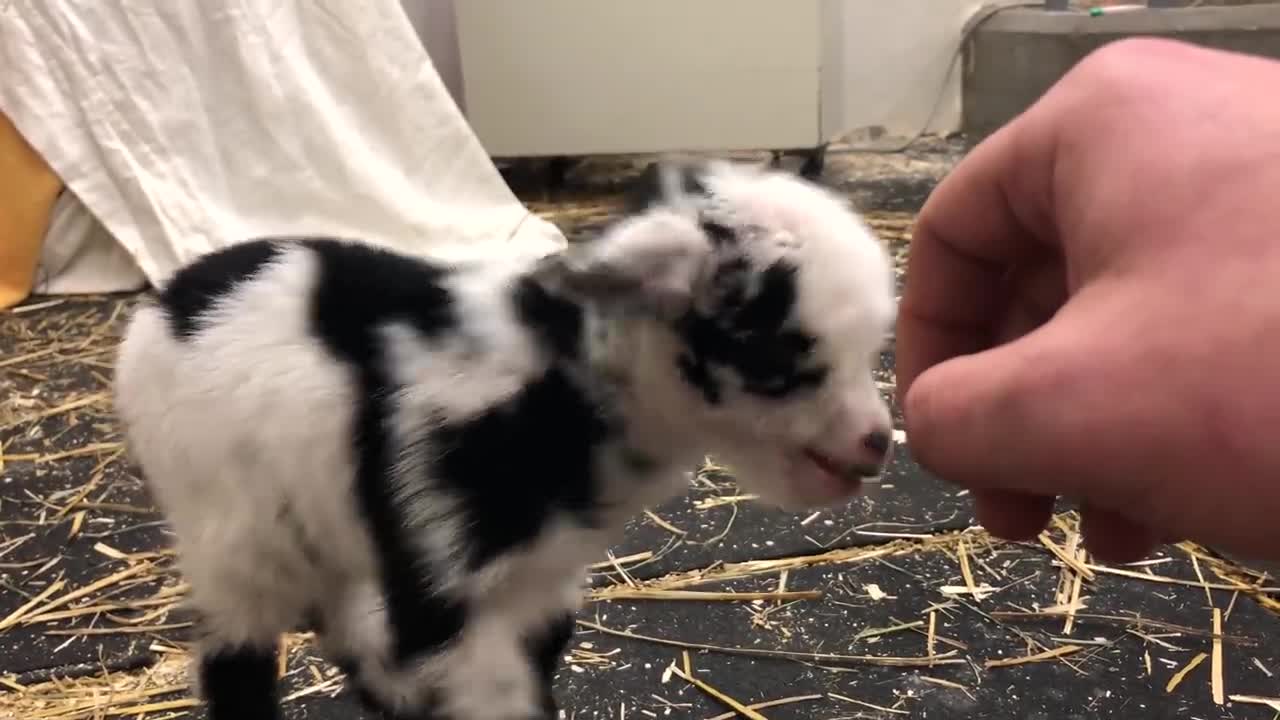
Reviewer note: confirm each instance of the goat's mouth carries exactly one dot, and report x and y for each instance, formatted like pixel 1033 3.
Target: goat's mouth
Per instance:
pixel 814 478
pixel 847 473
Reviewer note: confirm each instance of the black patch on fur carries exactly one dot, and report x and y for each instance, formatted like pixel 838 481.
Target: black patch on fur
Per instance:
pixel 545 648
pixel 240 684
pixel 690 182
pixel 747 334
pixel 359 289
pixel 729 283
pixel 719 233
pixel 555 320
pixel 194 289
pixel 521 462
pixel 696 371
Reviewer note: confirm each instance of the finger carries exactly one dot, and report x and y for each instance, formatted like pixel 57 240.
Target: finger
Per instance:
pixel 1013 516
pixel 1020 417
pixel 990 212
pixel 1114 538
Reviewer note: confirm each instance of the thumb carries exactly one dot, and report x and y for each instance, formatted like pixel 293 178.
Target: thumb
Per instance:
pixel 1008 419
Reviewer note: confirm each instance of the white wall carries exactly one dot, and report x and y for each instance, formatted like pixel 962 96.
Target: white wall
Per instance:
pixel 588 77
pixel 896 57
pixel 888 66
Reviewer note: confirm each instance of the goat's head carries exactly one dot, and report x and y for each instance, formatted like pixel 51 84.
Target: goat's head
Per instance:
pixel 764 301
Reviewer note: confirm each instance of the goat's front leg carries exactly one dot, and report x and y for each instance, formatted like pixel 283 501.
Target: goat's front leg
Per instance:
pixel 545 649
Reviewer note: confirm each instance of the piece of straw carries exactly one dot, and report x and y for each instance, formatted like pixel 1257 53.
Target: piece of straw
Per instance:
pixel 886 661
pixel 687 675
pixel 1216 675
pixel 769 704
pixel 16 616
pixel 1038 657
pixel 866 704
pixel 1178 676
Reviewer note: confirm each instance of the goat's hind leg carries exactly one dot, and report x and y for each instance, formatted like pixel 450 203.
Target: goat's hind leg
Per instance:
pixel 238 680
pixel 237 652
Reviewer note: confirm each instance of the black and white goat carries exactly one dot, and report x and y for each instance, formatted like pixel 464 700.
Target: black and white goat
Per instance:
pixel 418 459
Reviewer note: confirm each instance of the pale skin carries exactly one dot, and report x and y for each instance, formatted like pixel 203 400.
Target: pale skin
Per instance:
pixel 1092 307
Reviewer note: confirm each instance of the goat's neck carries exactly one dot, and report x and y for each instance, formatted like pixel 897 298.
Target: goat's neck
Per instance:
pixel 632 358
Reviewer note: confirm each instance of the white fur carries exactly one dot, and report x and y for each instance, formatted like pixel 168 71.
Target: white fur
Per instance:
pixel 251 415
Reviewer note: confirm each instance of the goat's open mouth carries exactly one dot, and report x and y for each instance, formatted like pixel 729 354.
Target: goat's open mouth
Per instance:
pixel 844 472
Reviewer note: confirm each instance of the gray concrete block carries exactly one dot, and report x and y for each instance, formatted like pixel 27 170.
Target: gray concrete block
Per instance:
pixel 1017 54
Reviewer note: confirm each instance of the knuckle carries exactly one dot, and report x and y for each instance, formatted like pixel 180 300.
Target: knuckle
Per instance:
pixel 1127 66
pixel 1112 70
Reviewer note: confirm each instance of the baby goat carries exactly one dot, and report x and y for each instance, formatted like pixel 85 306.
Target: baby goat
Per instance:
pixel 418 459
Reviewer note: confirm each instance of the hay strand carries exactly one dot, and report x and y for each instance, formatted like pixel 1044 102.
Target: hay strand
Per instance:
pixel 16 616
pixel 1270 702
pixel 865 704
pixel 687 675
pixel 87 590
pixel 1066 558
pixel 1216 665
pixel 703 596
pixel 768 704
pixel 812 657
pixel 1047 655
pixel 1179 676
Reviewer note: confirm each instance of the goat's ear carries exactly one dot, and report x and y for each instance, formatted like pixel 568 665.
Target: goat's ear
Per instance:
pixel 650 263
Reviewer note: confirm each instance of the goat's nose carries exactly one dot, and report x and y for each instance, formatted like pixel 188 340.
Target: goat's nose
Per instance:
pixel 878 442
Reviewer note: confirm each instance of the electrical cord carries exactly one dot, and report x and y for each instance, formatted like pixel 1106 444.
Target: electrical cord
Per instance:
pixel 975 21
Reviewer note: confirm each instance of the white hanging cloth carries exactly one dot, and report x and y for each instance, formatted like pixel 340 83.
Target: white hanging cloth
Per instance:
pixel 183 126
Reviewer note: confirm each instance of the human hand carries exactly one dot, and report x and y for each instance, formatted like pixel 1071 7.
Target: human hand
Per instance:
pixel 1092 307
